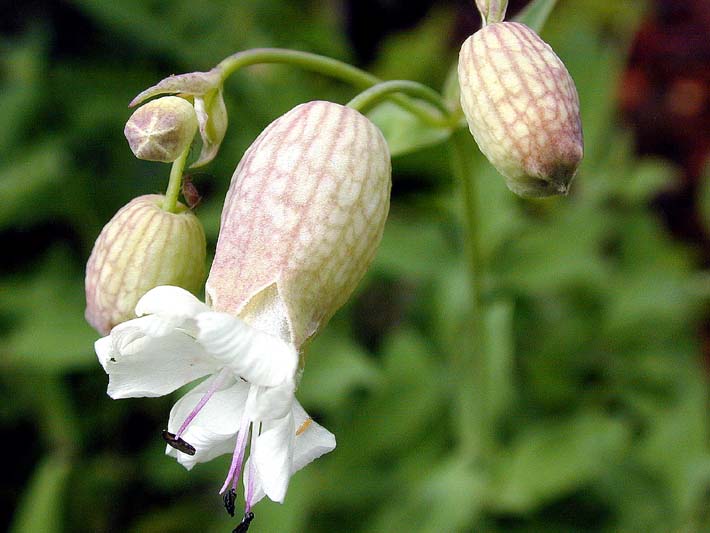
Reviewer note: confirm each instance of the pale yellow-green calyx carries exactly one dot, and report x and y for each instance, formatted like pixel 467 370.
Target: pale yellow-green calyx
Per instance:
pixel 162 129
pixel 492 11
pixel 142 247
pixel 522 108
pixel 302 220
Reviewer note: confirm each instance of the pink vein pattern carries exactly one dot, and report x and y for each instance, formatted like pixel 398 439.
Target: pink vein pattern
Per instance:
pixel 522 108
pixel 303 217
pixel 141 247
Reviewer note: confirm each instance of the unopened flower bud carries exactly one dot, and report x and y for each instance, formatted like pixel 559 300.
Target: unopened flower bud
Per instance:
pixel 141 247
pixel 206 90
pixel 522 108
pixel 492 11
pixel 162 129
pixel 302 220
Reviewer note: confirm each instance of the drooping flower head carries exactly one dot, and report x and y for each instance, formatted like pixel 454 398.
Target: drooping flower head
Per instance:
pixel 298 233
pixel 522 108
pixel 302 219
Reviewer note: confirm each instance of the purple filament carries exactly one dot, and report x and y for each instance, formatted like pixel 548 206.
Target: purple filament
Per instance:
pixel 216 384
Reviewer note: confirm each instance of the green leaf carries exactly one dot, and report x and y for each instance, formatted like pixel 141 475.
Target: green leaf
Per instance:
pixel 536 13
pixel 29 174
pixel 404 131
pixel 404 244
pixel 22 66
pixel 551 459
pixel 40 508
pixel 648 179
pixel 407 399
pixel 561 251
pixel 416 54
pixel 451 493
pixel 336 367
pixel 49 333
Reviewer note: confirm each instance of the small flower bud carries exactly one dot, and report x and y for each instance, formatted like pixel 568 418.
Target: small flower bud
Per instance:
pixel 141 247
pixel 302 220
pixel 522 108
pixel 162 129
pixel 206 89
pixel 492 11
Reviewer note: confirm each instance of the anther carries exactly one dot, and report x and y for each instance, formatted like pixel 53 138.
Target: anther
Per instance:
pixel 229 498
pixel 178 443
pixel 243 526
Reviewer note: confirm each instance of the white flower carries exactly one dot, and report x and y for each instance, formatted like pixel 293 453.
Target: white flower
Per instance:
pixel 302 220
pixel 178 339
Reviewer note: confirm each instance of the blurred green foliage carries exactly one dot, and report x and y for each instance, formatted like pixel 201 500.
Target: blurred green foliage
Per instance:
pixel 595 396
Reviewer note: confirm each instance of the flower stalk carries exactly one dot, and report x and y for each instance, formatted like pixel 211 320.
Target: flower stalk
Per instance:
pixel 327 66
pixel 175 184
pixel 369 98
pixel 470 363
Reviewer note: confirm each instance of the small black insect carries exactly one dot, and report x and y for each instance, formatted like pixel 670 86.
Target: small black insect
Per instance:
pixel 229 498
pixel 178 443
pixel 243 526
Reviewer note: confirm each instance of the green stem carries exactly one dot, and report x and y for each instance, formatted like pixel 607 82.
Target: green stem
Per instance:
pixel 323 65
pixel 314 62
pixel 367 99
pixel 175 183
pixel 471 364
pixel 461 144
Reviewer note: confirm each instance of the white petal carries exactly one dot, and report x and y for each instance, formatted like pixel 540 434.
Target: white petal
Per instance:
pixel 269 403
pixel 140 365
pixel 274 455
pixel 102 347
pixel 257 488
pixel 256 356
pixel 312 442
pixel 213 431
pixel 170 301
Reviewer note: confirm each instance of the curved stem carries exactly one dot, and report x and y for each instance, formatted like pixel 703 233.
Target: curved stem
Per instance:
pixel 367 99
pixel 306 60
pixel 323 65
pixel 175 183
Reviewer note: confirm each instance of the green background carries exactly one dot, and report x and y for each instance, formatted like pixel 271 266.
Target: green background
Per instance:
pixel 596 395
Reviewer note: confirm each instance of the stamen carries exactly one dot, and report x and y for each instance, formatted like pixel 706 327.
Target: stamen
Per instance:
pixel 178 443
pixel 235 469
pixel 216 384
pixel 243 526
pixel 229 498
